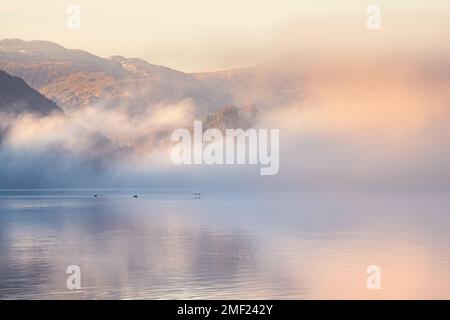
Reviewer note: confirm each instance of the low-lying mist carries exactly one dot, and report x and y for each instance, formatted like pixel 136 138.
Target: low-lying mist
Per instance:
pixel 377 124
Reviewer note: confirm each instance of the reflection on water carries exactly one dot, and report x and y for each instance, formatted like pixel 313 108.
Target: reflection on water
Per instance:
pixel 170 245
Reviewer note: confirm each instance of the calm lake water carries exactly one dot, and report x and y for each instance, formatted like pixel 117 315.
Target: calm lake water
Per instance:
pixel 166 245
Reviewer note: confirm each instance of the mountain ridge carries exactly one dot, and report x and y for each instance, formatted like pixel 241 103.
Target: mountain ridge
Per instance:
pixel 75 78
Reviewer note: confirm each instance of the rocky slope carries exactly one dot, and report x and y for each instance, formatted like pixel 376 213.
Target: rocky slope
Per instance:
pixel 16 97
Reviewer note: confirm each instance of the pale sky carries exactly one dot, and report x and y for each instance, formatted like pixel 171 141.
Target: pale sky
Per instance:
pixel 207 35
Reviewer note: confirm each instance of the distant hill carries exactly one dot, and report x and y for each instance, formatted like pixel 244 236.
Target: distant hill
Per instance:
pixel 76 78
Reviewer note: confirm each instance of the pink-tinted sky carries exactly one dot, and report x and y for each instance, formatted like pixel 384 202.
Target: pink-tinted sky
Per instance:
pixel 204 35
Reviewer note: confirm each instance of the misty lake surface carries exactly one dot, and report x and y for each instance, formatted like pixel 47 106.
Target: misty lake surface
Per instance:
pixel 171 245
